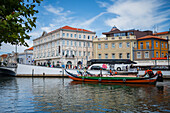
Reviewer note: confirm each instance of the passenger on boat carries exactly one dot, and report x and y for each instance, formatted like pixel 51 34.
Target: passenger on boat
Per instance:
pixel 111 72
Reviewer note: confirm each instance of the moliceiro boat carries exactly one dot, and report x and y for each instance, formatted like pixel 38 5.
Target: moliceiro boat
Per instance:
pixel 148 78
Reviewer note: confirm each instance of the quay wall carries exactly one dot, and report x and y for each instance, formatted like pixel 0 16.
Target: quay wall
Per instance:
pixel 40 71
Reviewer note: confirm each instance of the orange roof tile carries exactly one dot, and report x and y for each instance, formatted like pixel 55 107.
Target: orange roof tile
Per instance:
pixel 4 55
pixel 161 33
pixel 31 48
pixel 150 36
pixel 70 28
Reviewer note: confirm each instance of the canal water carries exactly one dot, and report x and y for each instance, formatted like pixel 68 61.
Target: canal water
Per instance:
pixel 20 95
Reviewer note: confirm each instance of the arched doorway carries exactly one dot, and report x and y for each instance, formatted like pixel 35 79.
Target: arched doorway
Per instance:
pixel 79 64
pixel 69 65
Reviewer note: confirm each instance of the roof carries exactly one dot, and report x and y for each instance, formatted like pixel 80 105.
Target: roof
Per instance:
pixel 4 55
pixel 118 31
pixel 31 48
pixel 162 33
pixel 70 28
pixel 150 37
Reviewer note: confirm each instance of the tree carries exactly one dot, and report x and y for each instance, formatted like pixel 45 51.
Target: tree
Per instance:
pixel 17 20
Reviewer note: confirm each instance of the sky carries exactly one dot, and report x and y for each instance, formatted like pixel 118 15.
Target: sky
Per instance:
pixel 98 16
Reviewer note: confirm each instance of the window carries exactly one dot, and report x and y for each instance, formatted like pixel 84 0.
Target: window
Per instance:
pixel 79 36
pixel 165 45
pixel 128 44
pixel 120 45
pixel 120 55
pixel 79 53
pixel 75 43
pixel 162 45
pixel 156 54
pixel 63 52
pixel 75 36
pixel 138 54
pixel 120 37
pixel 84 53
pixel 67 42
pixel 106 45
pixel 99 56
pixel 71 35
pixel 92 37
pixel 88 43
pixel 113 55
pixel 99 46
pixel 53 36
pixel 71 53
pixel 63 34
pixel 128 55
pixel 67 52
pixel 48 45
pixel 146 54
pixel 84 44
pixel 135 44
pixel 58 35
pixel 84 36
pixel 147 45
pixel 79 44
pixel 53 44
pixel 156 44
pixel 162 54
pixel 88 53
pixel 63 42
pixel 71 43
pixel 167 37
pixel 88 37
pixel 106 56
pixel 113 45
pixel 75 52
pixel 67 34
pixel 141 45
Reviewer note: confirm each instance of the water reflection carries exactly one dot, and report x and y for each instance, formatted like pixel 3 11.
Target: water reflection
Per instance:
pixel 65 95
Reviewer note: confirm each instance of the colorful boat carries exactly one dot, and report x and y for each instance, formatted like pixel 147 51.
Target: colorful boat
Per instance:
pixel 148 78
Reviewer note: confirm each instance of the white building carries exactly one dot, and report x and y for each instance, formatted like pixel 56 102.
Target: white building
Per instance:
pixel 26 57
pixel 64 46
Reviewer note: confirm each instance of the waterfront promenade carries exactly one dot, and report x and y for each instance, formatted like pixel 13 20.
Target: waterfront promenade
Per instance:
pixel 40 71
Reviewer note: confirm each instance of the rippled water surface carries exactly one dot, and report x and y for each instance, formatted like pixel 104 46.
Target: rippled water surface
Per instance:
pixel 64 95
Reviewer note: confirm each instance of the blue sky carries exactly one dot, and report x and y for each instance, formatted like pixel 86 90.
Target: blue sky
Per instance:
pixel 99 16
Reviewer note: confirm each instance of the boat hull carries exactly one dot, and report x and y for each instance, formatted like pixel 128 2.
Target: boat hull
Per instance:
pixel 114 79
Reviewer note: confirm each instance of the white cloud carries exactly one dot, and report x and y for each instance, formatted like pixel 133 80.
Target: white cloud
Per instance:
pixel 138 14
pixel 90 21
pixel 57 11
pixel 103 4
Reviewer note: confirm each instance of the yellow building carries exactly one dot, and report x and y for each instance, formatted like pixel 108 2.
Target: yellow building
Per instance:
pixel 150 47
pixel 117 44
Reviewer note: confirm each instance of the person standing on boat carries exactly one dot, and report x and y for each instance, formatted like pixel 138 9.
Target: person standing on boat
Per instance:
pixel 110 72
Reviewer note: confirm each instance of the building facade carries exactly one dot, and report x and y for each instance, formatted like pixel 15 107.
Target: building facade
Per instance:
pixel 165 35
pixel 117 44
pixel 3 59
pixel 64 46
pixel 149 47
pixel 26 57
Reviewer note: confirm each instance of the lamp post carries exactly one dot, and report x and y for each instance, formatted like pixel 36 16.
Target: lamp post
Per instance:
pixel 168 59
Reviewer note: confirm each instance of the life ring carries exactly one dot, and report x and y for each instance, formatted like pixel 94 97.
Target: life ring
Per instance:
pixel 124 80
pixel 99 79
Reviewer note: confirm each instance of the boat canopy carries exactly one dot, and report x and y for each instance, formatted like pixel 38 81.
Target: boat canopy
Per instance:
pixel 110 61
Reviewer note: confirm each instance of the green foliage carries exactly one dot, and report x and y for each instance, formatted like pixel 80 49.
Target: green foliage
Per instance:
pixel 17 20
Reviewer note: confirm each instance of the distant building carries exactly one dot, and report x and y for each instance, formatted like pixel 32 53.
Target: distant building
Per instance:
pixel 26 57
pixel 117 44
pixel 165 35
pixel 3 59
pixel 64 46
pixel 149 47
